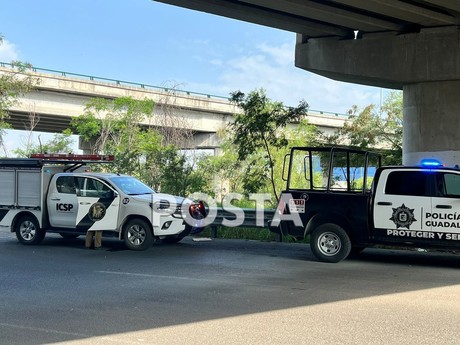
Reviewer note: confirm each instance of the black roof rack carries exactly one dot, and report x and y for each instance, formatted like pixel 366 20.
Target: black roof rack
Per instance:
pixel 21 162
pixel 39 160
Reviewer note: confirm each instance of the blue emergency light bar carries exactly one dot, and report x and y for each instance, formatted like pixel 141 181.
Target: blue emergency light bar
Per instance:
pixel 431 163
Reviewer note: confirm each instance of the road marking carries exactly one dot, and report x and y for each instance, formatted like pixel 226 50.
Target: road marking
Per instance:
pixel 227 279
pixel 201 239
pixel 157 276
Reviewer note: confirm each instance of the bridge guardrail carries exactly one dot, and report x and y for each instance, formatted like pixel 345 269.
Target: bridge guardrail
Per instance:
pixel 148 86
pixel 118 82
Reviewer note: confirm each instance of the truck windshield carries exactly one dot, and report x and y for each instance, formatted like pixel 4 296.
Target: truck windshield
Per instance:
pixel 130 185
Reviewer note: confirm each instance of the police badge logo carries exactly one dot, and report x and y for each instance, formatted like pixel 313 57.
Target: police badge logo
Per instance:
pixel 97 211
pixel 403 216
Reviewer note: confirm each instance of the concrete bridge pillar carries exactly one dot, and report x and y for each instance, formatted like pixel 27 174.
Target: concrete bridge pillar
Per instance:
pixel 425 65
pixel 432 122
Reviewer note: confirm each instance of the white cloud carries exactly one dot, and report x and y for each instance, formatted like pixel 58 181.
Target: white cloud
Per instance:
pixel 216 62
pixel 283 55
pixel 8 51
pixel 272 68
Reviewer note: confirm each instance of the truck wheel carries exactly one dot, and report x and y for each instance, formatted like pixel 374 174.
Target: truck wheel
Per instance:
pixel 137 235
pixel 28 231
pixel 330 243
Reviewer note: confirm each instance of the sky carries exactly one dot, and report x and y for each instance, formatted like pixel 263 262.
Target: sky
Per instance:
pixel 148 42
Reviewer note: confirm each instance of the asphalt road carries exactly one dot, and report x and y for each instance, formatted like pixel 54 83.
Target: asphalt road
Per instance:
pixel 223 292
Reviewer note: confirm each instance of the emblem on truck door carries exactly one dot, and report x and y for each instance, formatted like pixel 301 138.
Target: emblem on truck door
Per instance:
pixel 97 211
pixel 403 216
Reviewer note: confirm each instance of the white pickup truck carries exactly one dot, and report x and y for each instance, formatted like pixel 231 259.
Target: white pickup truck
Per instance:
pixel 56 193
pixel 345 201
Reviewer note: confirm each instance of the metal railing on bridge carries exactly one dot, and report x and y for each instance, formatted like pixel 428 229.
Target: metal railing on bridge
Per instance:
pixel 117 81
pixel 146 86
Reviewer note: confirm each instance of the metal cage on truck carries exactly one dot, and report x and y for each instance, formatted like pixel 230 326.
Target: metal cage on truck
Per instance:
pixel 330 169
pixel 324 188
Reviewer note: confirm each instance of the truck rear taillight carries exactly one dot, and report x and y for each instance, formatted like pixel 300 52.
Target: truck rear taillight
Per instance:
pixel 198 210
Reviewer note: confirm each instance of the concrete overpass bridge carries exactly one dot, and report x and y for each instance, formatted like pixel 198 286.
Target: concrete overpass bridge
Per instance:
pixel 411 45
pixel 62 95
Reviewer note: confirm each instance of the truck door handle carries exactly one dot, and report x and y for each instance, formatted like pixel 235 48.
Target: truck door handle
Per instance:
pixel 444 206
pixel 85 203
pixel 55 199
pixel 385 203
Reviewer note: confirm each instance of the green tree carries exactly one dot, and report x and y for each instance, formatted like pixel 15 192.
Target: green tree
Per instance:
pixel 392 132
pixel 177 174
pixel 60 143
pixel 259 129
pixel 12 85
pixel 368 129
pixel 302 134
pixel 223 171
pixel 230 174
pixel 114 127
pixel 364 129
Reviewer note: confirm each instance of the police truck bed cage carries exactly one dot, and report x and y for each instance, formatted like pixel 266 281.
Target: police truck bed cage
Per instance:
pixel 330 169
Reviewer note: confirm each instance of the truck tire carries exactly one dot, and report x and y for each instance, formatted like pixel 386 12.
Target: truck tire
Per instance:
pixel 28 231
pixel 137 234
pixel 330 243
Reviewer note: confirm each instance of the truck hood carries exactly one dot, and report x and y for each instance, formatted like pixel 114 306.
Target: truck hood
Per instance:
pixel 158 197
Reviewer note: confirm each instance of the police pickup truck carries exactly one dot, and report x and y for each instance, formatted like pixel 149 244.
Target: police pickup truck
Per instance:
pixel 346 201
pixel 56 193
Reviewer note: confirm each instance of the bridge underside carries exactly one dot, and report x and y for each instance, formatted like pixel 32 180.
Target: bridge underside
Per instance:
pixel 44 122
pixel 58 98
pixel 410 45
pixel 56 124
